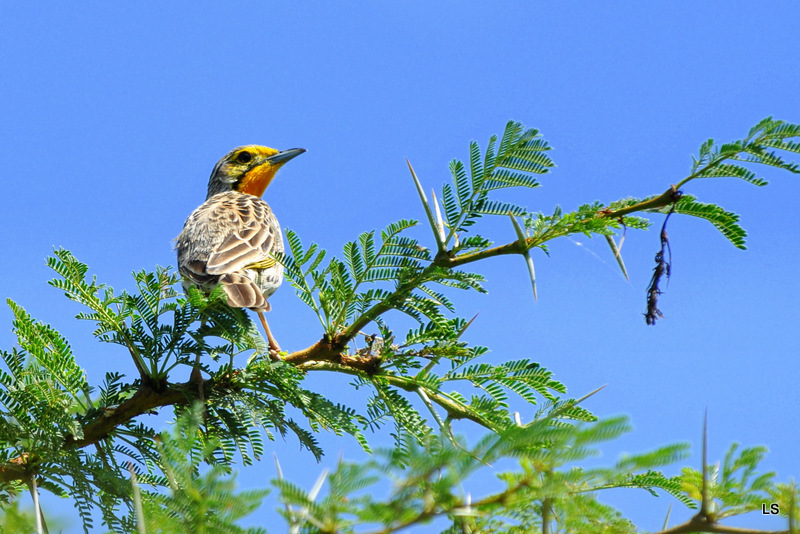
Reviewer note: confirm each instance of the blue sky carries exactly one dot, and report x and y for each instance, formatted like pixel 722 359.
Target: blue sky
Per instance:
pixel 113 116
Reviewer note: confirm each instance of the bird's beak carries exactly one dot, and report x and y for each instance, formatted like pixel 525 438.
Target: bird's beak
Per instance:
pixel 282 157
pixel 257 179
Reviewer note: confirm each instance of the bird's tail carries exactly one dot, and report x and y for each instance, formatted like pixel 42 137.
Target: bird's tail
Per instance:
pixel 242 292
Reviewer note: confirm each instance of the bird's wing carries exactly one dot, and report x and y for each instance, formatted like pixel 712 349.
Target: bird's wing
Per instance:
pixel 249 244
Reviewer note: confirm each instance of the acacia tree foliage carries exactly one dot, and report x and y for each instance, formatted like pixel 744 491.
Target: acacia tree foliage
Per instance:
pixel 87 442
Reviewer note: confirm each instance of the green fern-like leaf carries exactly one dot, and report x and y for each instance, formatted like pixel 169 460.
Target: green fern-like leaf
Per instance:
pixel 767 134
pixel 521 154
pixel 725 221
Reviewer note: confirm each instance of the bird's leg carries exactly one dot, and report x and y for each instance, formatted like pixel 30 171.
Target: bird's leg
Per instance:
pixel 274 348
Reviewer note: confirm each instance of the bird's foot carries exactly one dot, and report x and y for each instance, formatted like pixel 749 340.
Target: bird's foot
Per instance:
pixel 275 352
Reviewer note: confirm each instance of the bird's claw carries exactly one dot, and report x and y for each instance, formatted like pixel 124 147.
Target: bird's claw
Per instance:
pixel 275 354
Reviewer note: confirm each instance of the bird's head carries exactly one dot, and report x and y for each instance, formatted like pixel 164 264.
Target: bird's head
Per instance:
pixel 248 169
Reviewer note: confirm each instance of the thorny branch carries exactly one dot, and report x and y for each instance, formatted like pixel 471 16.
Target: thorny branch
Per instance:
pixel 444 260
pixel 328 354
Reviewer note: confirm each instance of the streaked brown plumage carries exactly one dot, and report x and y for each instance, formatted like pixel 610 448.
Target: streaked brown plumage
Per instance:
pixel 230 238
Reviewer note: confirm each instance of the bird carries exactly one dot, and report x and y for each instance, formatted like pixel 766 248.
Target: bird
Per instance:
pixel 230 239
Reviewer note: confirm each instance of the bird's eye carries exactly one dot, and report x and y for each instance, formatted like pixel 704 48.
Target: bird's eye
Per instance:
pixel 244 157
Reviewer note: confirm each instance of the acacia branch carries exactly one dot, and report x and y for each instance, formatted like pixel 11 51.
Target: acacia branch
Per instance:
pixel 324 355
pixel 144 401
pixel 516 247
pixel 701 523
pixel 321 356
pixel 356 366
pixel 664 199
